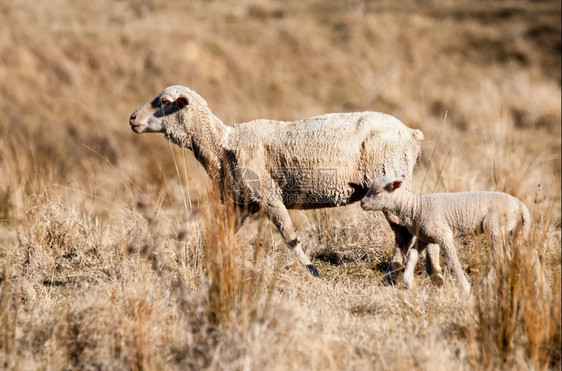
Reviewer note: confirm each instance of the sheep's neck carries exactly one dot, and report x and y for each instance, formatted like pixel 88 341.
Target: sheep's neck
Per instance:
pixel 207 142
pixel 406 206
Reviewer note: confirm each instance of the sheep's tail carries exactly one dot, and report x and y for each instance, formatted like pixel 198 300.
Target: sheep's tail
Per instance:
pixel 418 135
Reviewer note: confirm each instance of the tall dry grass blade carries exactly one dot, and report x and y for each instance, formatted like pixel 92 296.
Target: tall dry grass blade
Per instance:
pixel 430 161
pixel 187 176
pixel 179 179
pixel 117 171
pixel 440 171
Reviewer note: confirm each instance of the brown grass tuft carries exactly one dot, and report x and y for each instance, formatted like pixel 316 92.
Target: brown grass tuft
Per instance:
pixel 518 311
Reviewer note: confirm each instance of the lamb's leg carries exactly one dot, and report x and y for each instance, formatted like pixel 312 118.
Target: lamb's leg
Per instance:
pixel 403 240
pixel 413 255
pixel 494 243
pixel 432 266
pixel 278 214
pixel 494 257
pixel 448 245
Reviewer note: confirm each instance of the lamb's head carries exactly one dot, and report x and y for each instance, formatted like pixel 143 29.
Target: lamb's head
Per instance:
pixel 170 112
pixel 381 192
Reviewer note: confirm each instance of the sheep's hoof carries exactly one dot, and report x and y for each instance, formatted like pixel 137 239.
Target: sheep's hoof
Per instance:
pixel 387 280
pixel 312 269
pixel 437 279
pixel 395 266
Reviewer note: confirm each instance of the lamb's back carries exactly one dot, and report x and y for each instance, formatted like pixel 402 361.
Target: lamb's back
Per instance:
pixel 465 212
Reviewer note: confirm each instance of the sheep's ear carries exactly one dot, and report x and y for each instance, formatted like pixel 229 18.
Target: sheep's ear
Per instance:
pixel 182 101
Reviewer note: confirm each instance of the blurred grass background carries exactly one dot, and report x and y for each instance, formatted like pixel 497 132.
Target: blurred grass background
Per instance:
pixel 104 266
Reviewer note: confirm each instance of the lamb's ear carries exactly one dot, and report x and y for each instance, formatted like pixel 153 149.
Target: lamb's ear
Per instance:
pixel 182 101
pixel 395 184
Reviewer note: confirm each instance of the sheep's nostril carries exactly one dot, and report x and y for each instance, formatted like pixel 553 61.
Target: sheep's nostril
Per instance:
pixel 132 119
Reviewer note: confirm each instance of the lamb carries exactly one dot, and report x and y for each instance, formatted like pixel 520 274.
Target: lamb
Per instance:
pixel 438 218
pixel 323 161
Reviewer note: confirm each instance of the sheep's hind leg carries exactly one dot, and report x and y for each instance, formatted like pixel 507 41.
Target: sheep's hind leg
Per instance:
pixel 242 213
pixel 278 214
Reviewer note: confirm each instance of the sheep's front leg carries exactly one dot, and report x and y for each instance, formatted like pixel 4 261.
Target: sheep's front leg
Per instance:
pixel 278 214
pixel 448 245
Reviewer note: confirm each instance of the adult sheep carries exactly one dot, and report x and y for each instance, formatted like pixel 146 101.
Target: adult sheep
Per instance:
pixel 323 161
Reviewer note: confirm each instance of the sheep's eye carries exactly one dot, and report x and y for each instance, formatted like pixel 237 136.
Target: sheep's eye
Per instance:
pixel 165 102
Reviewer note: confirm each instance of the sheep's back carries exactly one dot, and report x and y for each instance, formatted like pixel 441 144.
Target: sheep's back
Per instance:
pixel 332 141
pixel 332 157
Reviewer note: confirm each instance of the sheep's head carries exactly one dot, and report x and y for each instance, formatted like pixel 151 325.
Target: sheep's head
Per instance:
pixel 166 111
pixel 380 193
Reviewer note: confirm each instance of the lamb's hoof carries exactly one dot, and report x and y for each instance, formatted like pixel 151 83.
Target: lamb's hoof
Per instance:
pixel 437 279
pixel 409 282
pixel 312 269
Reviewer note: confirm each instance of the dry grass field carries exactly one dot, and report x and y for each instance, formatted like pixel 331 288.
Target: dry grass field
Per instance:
pixel 114 253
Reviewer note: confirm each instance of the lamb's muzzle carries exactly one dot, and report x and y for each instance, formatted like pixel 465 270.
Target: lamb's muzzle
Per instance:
pixel 323 161
pixel 365 204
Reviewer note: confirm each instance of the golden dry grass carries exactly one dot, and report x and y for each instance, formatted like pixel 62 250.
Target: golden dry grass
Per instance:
pixel 114 254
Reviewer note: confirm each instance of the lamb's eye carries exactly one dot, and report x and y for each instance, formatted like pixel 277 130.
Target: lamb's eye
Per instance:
pixel 165 101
